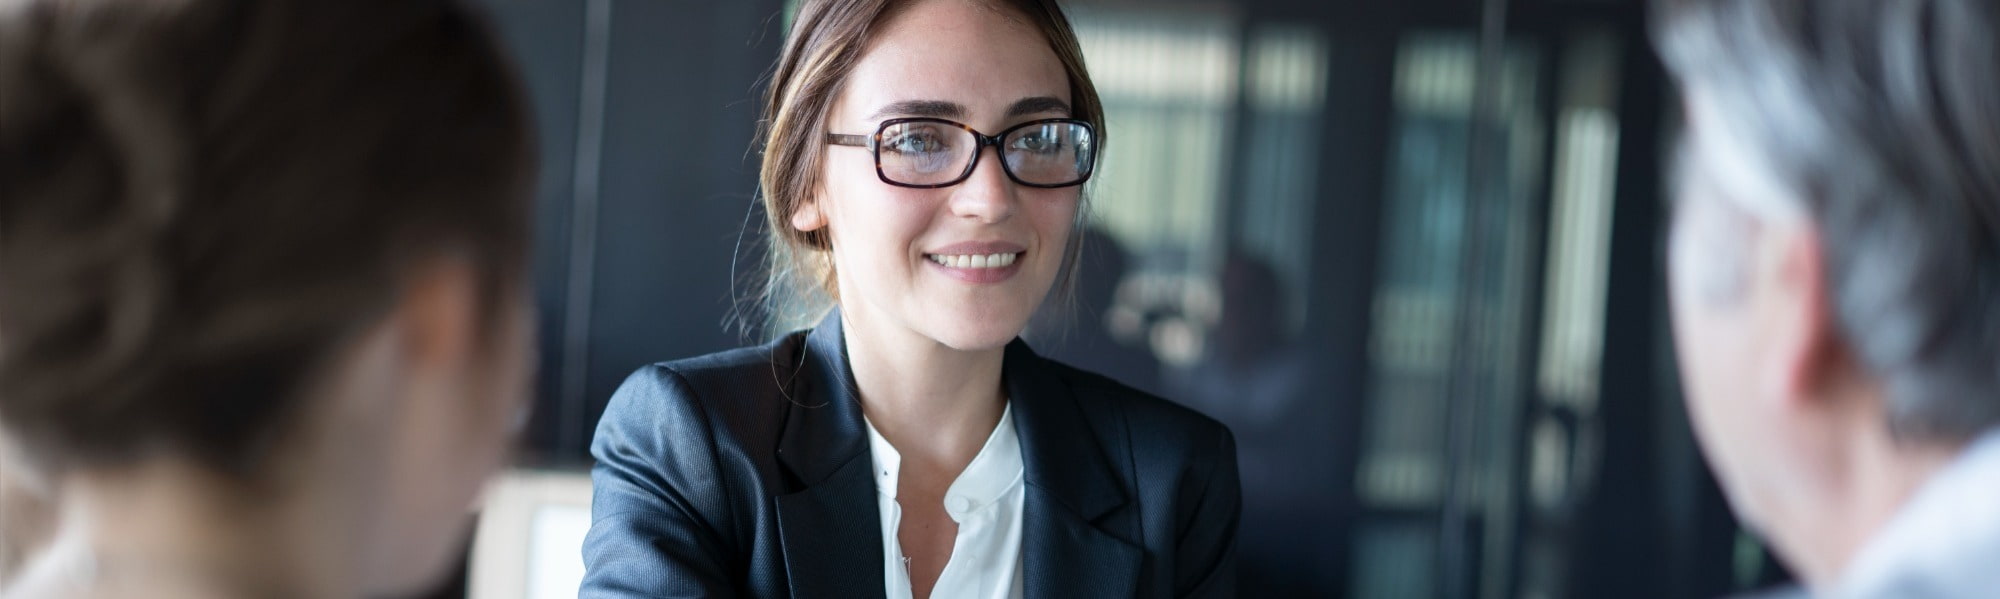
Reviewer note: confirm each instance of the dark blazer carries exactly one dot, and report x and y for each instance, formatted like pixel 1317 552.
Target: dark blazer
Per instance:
pixel 746 473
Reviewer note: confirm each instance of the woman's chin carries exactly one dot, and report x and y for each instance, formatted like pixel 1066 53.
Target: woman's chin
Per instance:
pixel 978 337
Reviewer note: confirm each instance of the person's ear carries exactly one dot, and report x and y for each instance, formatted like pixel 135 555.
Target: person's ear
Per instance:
pixel 437 312
pixel 808 216
pixel 1798 315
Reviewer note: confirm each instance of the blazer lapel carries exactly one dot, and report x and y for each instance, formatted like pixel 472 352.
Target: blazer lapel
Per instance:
pixel 1075 542
pixel 830 529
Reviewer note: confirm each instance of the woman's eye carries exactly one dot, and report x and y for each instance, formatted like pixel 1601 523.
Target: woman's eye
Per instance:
pixel 1040 143
pixel 915 143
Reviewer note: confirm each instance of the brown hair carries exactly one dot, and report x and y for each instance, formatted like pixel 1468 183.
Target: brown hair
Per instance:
pixel 826 40
pixel 200 200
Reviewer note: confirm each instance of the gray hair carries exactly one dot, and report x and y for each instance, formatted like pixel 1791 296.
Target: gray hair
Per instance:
pixel 1881 121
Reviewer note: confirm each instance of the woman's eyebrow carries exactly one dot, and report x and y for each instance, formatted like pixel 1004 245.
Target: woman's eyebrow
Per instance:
pixel 1037 105
pixel 925 108
pixel 952 110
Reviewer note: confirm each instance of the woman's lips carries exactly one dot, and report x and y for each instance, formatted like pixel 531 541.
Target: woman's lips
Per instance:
pixel 974 260
pixel 977 248
pixel 977 265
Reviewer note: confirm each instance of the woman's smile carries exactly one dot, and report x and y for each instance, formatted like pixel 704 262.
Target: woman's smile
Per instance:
pixel 978 262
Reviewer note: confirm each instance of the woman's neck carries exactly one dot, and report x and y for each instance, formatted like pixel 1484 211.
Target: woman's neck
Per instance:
pixel 170 529
pixel 933 402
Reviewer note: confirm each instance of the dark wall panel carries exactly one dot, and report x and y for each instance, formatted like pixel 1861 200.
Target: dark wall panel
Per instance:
pixel 646 110
pixel 675 181
pixel 546 39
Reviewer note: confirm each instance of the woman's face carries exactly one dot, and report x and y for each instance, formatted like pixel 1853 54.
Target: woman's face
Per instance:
pixel 912 258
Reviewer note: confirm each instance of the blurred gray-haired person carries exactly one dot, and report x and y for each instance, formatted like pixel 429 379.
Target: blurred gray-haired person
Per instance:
pixel 1835 275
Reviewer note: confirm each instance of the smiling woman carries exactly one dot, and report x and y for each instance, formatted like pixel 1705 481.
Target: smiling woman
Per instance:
pixel 823 66
pixel 909 443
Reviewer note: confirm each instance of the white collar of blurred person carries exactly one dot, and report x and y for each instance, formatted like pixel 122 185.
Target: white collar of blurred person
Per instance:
pixel 1943 542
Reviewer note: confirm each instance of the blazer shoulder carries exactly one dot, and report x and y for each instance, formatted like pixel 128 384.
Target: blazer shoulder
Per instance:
pixel 1151 416
pixel 738 393
pixel 726 375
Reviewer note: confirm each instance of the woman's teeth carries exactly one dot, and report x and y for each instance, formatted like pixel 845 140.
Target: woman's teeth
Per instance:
pixel 974 261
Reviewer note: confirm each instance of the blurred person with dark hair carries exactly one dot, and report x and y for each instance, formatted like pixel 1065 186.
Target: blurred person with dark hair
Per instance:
pixel 262 274
pixel 1835 275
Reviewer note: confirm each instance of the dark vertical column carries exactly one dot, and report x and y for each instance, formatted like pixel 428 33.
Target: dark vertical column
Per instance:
pixel 593 83
pixel 646 112
pixel 546 41
pixel 1620 534
pixel 676 178
pixel 1555 44
pixel 1468 398
pixel 1347 227
pixel 1347 236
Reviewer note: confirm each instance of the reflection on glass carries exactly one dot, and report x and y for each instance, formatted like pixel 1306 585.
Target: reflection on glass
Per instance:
pixel 1447 331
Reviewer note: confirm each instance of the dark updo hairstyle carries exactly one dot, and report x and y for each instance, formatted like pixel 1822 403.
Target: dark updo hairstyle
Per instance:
pixel 201 201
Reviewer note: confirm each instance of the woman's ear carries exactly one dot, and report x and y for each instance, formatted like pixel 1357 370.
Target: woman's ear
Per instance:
pixel 438 310
pixel 808 216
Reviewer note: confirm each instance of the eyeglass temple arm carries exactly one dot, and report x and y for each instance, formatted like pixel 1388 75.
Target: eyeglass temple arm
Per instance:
pixel 849 140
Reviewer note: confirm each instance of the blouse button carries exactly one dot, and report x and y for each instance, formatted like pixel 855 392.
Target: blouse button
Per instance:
pixel 961 505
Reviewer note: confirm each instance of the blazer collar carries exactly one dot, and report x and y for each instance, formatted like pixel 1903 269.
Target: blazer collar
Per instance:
pixel 823 427
pixel 1063 455
pixel 1074 543
pixel 831 530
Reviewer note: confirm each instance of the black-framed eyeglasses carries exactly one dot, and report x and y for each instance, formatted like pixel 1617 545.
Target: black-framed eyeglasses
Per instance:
pixel 929 153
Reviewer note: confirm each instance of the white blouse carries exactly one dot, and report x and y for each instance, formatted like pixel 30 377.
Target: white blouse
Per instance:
pixel 1943 542
pixel 986 502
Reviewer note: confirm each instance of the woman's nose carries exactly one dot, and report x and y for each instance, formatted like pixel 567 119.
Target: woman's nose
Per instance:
pixel 988 195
